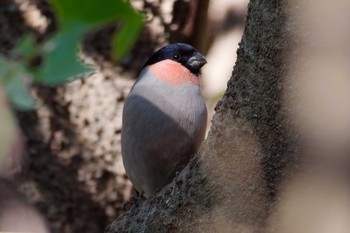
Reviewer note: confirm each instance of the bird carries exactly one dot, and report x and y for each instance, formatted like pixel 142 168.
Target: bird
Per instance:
pixel 164 118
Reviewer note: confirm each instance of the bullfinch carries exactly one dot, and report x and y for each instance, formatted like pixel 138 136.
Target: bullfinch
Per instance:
pixel 164 117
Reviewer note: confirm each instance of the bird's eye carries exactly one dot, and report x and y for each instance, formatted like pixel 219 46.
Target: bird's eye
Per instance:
pixel 176 57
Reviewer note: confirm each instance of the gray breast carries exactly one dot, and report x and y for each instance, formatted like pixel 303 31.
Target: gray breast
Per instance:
pixel 163 127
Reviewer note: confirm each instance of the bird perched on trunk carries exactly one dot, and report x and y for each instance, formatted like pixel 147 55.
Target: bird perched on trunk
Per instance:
pixel 164 118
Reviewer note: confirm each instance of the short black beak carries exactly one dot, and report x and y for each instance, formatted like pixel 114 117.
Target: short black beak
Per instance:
pixel 197 61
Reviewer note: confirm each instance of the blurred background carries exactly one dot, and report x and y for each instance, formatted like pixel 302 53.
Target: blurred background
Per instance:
pixel 225 29
pixel 61 169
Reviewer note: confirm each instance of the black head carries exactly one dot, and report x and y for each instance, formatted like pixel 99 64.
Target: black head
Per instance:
pixel 182 53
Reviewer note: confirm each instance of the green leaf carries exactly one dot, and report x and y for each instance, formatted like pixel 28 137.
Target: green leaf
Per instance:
pixel 124 39
pixel 19 94
pixel 13 76
pixel 60 61
pixel 96 13
pixel 26 46
pixel 92 11
pixel 59 54
pixel 76 17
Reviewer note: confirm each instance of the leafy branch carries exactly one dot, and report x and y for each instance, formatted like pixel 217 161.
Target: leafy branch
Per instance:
pixel 56 58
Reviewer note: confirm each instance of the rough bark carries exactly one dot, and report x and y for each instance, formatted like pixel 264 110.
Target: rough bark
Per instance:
pixel 232 184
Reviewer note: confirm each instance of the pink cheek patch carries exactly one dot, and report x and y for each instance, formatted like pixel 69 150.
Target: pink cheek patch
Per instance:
pixel 173 72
